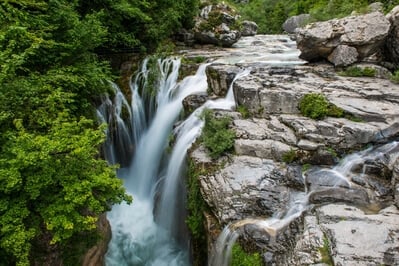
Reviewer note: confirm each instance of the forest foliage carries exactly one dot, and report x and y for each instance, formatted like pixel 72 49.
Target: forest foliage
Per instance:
pixel 53 182
pixel 271 14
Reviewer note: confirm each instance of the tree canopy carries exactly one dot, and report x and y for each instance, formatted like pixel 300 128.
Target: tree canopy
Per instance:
pixel 271 14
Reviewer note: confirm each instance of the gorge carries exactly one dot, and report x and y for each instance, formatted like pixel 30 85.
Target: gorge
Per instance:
pixel 264 197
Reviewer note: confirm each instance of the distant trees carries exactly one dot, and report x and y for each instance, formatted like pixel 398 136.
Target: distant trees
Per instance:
pixel 271 14
pixel 142 23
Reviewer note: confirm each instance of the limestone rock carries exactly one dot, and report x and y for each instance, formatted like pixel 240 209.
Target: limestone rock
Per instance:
pixel 246 186
pixel 366 33
pixel 357 238
pixel 295 22
pixel 220 78
pixel 249 28
pixel 343 55
pixel 193 101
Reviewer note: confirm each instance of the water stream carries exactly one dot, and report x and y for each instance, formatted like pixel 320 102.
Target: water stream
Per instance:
pixel 327 179
pixel 152 231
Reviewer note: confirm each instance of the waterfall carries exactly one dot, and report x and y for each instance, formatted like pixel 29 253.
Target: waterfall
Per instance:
pixel 151 231
pixel 340 176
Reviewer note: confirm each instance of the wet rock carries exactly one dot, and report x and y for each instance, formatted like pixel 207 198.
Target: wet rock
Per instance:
pixel 295 178
pixel 354 196
pixel 295 22
pixel 220 78
pixel 249 28
pixel 193 101
pixel 392 42
pixel 365 33
pixel 307 249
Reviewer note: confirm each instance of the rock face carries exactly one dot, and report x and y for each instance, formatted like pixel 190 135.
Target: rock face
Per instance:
pixel 95 255
pixel 217 24
pixel 366 33
pixel 295 22
pixel 392 43
pixel 347 213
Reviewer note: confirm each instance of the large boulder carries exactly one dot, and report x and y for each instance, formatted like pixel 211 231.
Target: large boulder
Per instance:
pixel 217 24
pixel 295 22
pixel 249 28
pixel 366 33
pixel 392 42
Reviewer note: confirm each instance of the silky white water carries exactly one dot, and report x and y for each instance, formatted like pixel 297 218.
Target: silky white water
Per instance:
pixel 338 176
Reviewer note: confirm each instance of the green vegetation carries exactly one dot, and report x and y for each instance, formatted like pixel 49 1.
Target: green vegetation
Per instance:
pixel 290 156
pixel 271 14
pixel 243 111
pixel 395 77
pixel 196 208
pixel 356 71
pixel 325 252
pixel 216 135
pixel 140 23
pixel 54 184
pixel 316 106
pixel 242 258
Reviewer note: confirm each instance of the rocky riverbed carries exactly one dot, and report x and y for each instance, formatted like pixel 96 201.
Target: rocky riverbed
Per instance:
pixel 350 222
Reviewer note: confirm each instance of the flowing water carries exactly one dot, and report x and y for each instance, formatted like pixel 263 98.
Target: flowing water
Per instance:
pixel 338 176
pixel 152 231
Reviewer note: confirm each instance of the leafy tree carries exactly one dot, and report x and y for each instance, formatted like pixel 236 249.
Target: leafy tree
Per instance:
pixel 140 23
pixel 52 180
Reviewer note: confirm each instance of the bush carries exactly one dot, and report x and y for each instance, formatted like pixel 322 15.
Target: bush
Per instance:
pixel 356 71
pixel 395 77
pixel 216 135
pixel 242 258
pixel 316 106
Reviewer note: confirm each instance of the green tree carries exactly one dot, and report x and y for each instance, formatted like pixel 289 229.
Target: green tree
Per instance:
pixel 52 180
pixel 140 23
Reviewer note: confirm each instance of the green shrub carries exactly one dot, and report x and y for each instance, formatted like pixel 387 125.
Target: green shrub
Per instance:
pixel 289 156
pixel 243 111
pixel 196 207
pixel 216 135
pixel 356 71
pixel 242 258
pixel 395 77
pixel 316 106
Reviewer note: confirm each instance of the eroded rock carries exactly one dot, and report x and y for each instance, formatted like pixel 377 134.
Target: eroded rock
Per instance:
pixel 366 33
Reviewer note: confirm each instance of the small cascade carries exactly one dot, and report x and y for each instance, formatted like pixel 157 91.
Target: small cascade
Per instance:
pixel 326 179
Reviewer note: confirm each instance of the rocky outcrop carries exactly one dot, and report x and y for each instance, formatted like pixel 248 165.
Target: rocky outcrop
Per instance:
pixel 249 28
pixel 288 213
pixel 295 22
pixel 392 42
pixel 366 33
pixel 346 235
pixel 95 255
pixel 217 24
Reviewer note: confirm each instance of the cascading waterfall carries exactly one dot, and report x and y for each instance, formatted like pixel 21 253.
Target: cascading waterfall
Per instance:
pixel 339 175
pixel 151 231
